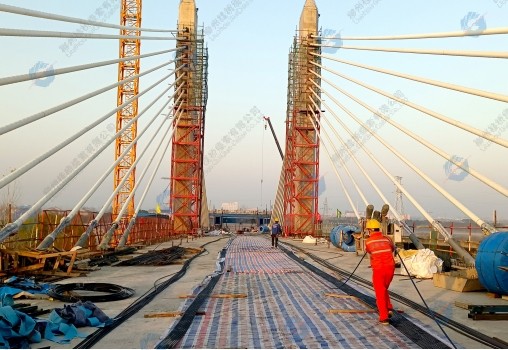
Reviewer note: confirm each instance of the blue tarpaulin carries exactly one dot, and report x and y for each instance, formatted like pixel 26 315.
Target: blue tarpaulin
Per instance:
pixel 18 330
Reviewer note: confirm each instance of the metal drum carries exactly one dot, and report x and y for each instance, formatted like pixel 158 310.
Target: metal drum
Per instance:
pixel 492 263
pixel 342 237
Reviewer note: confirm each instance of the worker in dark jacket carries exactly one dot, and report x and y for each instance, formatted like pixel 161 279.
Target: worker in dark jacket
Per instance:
pixel 381 250
pixel 276 231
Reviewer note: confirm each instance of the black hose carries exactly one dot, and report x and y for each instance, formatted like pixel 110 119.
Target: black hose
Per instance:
pixel 416 334
pixel 454 325
pixel 352 273
pixel 93 338
pixel 179 330
pixel 65 292
pixel 423 300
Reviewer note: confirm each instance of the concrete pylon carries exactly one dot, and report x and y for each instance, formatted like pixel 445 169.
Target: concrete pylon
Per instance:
pixel 309 19
pixel 189 114
pixel 301 162
pixel 187 15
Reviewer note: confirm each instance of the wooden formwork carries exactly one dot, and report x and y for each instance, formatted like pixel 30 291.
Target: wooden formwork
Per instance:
pixel 18 262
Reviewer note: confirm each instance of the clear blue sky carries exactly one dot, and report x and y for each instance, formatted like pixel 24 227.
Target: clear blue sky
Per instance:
pixel 248 67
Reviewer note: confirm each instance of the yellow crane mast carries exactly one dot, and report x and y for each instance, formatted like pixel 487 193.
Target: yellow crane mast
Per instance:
pixel 130 16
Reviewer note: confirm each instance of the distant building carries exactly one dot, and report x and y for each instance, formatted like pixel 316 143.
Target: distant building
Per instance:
pixel 349 214
pixel 232 206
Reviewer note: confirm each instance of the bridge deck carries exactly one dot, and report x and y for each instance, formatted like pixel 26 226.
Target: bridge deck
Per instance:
pixel 266 299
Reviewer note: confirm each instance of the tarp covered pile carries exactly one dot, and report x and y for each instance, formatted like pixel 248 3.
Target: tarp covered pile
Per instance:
pixel 421 263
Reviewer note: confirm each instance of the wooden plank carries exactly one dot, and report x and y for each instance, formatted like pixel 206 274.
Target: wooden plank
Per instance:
pixel 31 268
pixel 479 307
pixel 164 314
pixel 349 311
pixel 216 296
pixel 462 305
pixel 498 317
pixel 73 258
pixel 335 295
pixel 229 295
pixel 59 273
pixel 493 295
pixel 57 263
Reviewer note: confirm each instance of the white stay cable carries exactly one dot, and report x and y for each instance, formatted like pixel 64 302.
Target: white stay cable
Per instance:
pixel 462 33
pixel 14 227
pixel 424 176
pixel 463 89
pixel 107 204
pixel 31 164
pixel 65 221
pixel 125 235
pixel 458 124
pixel 352 157
pixel 467 257
pixel 47 112
pixel 107 237
pixel 321 130
pixel 39 14
pixel 52 34
pixel 334 168
pixel 483 54
pixel 395 213
pixel 49 73
pixel 489 182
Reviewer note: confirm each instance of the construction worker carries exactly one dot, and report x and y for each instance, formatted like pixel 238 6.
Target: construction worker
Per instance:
pixel 276 231
pixel 381 250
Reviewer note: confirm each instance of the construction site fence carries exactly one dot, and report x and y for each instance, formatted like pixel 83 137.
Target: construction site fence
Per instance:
pixel 147 230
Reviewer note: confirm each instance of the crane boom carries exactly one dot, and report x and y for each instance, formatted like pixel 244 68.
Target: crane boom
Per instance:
pixel 274 136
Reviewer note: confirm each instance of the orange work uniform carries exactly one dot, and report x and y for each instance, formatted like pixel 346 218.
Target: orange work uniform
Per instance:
pixel 380 249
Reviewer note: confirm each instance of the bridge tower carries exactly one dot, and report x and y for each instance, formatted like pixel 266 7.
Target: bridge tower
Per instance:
pixel 301 162
pixel 130 15
pixel 186 188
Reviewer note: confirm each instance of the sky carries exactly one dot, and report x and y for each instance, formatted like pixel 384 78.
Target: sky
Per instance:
pixel 248 71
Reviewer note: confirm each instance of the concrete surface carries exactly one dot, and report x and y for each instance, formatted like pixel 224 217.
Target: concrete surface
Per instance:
pixel 141 332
